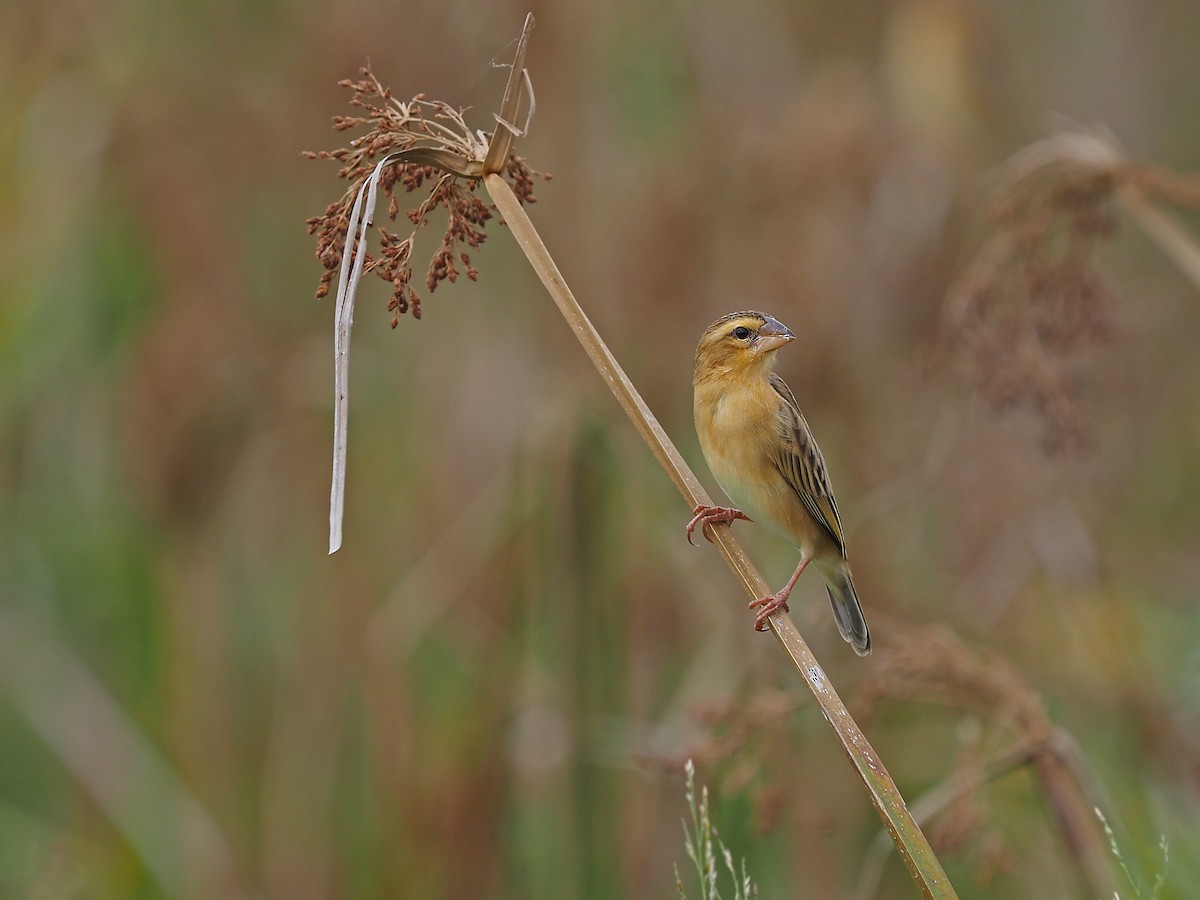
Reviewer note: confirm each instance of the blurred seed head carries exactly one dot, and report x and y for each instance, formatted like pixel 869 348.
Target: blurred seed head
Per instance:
pixel 1034 297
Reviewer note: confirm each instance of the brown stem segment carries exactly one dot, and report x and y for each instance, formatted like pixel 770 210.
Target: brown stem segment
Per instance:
pixel 910 842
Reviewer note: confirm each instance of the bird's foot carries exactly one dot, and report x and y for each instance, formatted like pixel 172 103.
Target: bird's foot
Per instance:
pixel 770 605
pixel 713 515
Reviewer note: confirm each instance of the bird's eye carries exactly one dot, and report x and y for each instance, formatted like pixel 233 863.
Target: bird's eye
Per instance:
pixel 741 332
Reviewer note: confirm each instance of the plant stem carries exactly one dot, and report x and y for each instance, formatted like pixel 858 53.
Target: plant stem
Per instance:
pixel 1166 231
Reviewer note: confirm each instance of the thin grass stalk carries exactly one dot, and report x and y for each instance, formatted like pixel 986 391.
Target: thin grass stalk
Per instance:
pixel 910 842
pixel 1164 230
pixel 1071 807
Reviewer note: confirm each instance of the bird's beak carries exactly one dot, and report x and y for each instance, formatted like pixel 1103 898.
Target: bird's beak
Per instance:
pixel 772 335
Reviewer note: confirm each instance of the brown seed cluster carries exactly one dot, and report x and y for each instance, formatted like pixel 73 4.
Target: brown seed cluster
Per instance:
pixel 396 126
pixel 1033 298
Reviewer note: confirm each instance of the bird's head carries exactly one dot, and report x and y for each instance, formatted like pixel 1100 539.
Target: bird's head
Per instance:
pixel 740 344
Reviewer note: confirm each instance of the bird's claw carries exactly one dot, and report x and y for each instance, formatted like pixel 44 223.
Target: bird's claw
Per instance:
pixel 712 515
pixel 770 606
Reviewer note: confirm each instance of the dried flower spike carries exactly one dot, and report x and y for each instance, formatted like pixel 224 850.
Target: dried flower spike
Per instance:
pixel 1034 296
pixel 429 143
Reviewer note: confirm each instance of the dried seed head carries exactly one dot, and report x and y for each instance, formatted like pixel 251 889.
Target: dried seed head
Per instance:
pixel 1034 296
pixel 393 126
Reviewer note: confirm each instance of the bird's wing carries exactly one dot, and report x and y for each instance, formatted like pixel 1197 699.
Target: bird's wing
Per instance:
pixel 800 462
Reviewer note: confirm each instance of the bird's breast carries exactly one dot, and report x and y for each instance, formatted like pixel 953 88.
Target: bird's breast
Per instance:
pixel 738 430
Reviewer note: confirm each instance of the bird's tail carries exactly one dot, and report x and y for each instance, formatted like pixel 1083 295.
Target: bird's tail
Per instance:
pixel 846 609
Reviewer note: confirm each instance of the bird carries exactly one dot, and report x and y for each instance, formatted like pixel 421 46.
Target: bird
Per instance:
pixel 762 453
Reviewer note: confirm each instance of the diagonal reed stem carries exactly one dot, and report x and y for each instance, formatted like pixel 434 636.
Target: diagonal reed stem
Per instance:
pixel 911 843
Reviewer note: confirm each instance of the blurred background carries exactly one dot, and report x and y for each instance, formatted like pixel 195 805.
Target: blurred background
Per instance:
pixel 490 691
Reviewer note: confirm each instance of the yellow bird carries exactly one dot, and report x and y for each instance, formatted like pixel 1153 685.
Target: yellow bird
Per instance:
pixel 763 455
